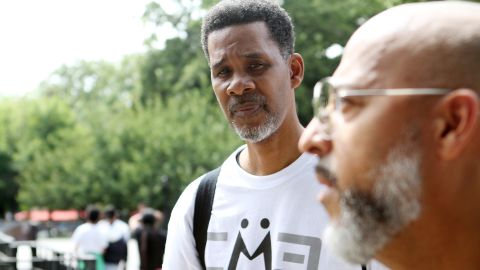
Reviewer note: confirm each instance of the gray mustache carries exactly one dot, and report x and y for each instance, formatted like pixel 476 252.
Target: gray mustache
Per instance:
pixel 253 97
pixel 326 173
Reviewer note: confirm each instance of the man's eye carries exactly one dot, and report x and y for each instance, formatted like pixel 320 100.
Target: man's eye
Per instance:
pixel 223 72
pixel 256 66
pixel 349 107
pixel 344 103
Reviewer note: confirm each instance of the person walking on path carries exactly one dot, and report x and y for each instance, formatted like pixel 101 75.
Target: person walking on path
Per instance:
pixel 117 233
pixel 89 238
pixel 151 241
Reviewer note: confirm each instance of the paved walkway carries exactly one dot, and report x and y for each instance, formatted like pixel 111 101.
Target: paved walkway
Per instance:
pixel 24 253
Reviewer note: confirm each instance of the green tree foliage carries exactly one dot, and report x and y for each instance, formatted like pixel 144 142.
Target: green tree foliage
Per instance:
pixel 87 84
pixel 157 149
pixel 320 24
pixel 8 173
pixel 52 153
pixel 109 156
pixel 179 67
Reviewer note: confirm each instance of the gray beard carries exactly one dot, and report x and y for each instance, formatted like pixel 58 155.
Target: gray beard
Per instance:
pixel 369 220
pixel 258 133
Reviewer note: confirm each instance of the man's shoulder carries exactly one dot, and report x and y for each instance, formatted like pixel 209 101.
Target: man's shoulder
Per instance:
pixel 102 223
pixel 187 198
pixel 184 207
pixel 121 223
pixel 83 227
pixel 191 190
pixel 82 230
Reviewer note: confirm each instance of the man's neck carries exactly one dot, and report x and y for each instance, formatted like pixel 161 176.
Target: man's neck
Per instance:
pixel 448 242
pixel 273 154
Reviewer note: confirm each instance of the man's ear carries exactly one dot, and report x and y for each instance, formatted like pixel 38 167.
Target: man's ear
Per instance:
pixel 296 70
pixel 457 122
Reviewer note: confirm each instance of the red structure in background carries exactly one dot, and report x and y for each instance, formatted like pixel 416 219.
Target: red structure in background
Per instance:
pixel 65 215
pixel 53 223
pixel 46 215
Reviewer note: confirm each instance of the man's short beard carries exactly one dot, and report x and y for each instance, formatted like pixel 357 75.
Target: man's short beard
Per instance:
pixel 369 220
pixel 261 132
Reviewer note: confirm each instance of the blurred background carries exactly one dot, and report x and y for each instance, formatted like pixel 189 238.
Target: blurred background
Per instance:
pixel 109 102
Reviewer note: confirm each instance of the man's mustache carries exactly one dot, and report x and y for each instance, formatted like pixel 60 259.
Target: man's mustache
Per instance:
pixel 253 97
pixel 322 169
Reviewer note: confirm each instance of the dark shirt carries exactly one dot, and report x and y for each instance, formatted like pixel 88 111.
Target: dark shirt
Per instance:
pixel 116 251
pixel 151 246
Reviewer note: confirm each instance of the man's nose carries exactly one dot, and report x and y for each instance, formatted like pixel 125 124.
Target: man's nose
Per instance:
pixel 314 140
pixel 239 84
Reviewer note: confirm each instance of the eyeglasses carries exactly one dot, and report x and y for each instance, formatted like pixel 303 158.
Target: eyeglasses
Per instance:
pixel 327 99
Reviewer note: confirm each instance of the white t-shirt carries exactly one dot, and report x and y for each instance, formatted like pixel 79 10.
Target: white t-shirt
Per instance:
pixel 257 222
pixel 89 238
pixel 118 229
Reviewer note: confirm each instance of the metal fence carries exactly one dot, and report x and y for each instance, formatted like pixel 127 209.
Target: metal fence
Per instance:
pixel 42 258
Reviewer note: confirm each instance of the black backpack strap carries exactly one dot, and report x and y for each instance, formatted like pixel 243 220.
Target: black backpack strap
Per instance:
pixel 203 210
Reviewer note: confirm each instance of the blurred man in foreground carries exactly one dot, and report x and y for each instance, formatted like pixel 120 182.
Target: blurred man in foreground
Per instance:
pixel 397 128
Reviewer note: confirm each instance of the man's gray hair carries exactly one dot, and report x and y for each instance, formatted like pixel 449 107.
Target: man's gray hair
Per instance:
pixel 234 12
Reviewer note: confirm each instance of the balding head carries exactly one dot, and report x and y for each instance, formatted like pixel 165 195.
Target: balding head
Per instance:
pixel 402 166
pixel 434 44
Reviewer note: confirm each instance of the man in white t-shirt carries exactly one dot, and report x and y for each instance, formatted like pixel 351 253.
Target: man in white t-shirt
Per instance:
pixel 264 214
pixel 118 234
pixel 89 238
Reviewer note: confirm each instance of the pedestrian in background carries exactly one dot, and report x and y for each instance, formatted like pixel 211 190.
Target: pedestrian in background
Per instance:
pixel 134 220
pixel 151 240
pixel 117 233
pixel 89 238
